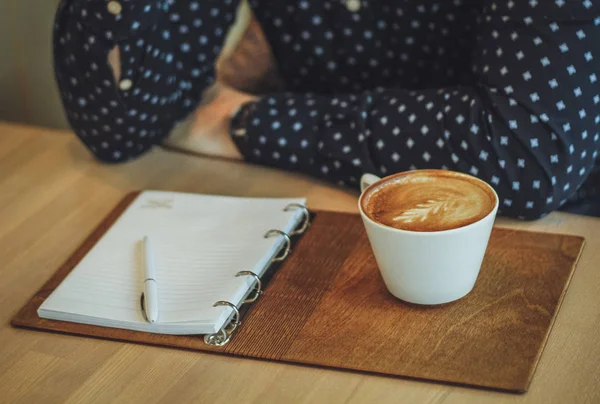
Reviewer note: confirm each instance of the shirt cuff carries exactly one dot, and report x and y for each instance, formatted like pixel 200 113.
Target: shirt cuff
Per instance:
pixel 302 132
pixel 272 132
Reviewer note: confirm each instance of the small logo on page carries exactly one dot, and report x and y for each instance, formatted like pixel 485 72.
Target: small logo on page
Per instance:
pixel 158 204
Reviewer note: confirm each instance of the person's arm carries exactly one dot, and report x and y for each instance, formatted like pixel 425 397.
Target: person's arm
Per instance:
pixel 163 68
pixel 528 125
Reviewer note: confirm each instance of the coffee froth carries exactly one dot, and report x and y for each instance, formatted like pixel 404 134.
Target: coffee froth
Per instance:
pixel 428 200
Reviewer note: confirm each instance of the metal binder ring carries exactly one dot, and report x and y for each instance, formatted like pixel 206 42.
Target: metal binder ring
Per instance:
pixel 235 321
pixel 223 336
pixel 306 215
pixel 288 243
pixel 257 288
pixel 219 338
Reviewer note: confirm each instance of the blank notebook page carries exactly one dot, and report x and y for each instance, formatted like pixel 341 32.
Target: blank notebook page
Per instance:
pixel 199 243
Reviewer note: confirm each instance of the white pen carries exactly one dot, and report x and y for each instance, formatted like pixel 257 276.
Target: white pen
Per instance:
pixel 150 286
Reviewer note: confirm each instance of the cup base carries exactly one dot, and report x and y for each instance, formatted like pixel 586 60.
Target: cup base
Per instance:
pixel 432 302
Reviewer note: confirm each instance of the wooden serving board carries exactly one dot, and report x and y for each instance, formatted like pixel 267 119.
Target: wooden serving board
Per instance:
pixel 327 305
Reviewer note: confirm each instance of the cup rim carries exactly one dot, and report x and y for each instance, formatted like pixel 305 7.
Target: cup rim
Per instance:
pixel 425 233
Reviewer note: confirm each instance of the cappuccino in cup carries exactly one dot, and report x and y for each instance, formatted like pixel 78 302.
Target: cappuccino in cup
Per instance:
pixel 429 231
pixel 429 201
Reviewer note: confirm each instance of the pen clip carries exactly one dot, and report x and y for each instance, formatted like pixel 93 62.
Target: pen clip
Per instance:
pixel 143 306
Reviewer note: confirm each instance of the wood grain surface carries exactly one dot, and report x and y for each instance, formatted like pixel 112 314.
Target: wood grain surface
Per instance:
pixel 52 195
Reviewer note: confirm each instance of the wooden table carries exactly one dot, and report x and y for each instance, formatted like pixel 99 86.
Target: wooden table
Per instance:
pixel 52 194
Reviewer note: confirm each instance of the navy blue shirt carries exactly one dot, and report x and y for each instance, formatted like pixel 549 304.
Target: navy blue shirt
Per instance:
pixel 506 90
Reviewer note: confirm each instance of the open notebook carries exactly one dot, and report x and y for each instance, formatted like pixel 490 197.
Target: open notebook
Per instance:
pixel 199 243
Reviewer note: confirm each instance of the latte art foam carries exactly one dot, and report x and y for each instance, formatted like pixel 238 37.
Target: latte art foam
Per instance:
pixel 428 200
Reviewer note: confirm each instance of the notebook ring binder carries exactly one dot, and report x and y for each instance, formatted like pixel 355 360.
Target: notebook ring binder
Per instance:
pixel 288 243
pixel 257 289
pixel 223 336
pixel 306 221
pixel 220 338
pixel 235 321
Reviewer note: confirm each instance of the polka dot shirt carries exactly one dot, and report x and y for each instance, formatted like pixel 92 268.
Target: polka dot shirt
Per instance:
pixel 505 90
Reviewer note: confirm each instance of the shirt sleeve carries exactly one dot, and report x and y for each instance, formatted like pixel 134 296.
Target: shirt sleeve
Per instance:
pixel 528 124
pixel 164 68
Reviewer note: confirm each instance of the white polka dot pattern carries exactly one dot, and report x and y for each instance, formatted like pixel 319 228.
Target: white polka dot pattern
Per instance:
pixel 167 52
pixel 507 91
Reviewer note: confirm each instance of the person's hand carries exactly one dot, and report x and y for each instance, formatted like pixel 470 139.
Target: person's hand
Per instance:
pixel 209 131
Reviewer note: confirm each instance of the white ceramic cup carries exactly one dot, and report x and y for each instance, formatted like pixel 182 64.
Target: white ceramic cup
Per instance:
pixel 428 267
